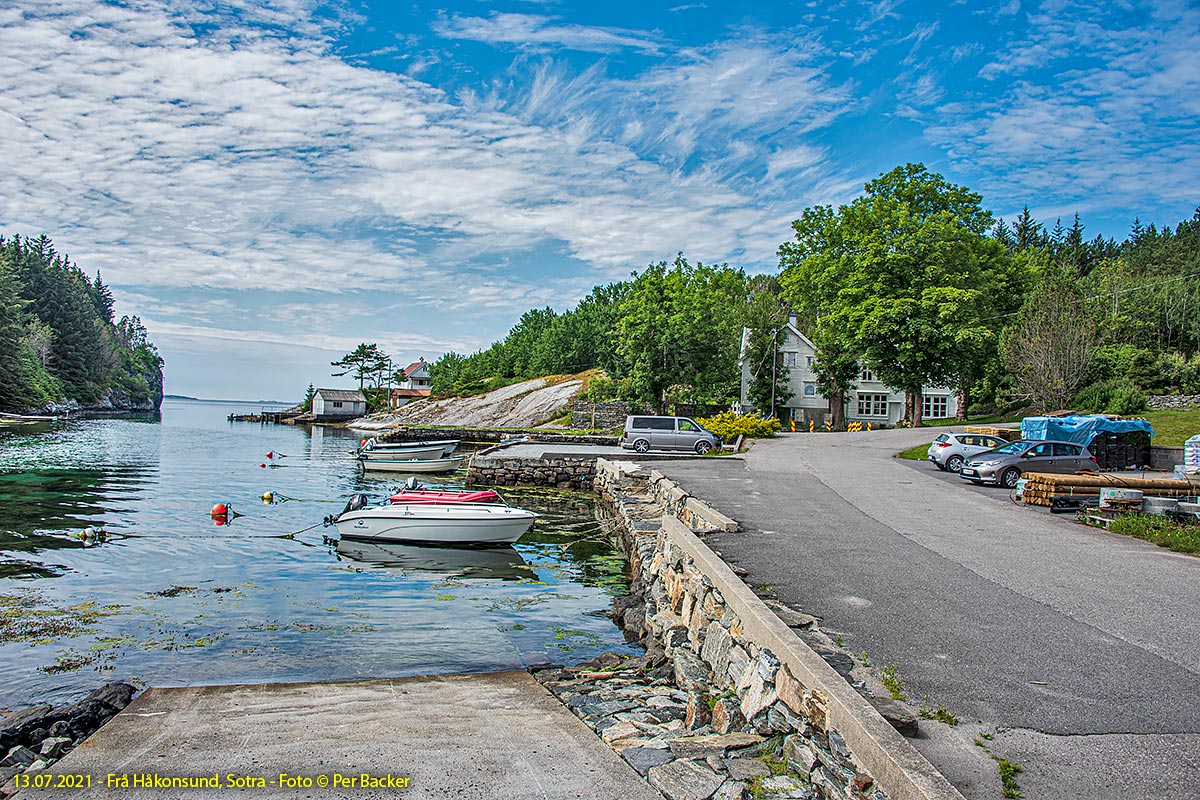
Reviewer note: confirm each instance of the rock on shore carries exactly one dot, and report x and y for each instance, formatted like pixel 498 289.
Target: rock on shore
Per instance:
pixel 35 737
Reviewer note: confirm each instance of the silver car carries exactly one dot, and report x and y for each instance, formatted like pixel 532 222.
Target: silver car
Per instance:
pixel 644 433
pixel 950 450
pixel 1004 465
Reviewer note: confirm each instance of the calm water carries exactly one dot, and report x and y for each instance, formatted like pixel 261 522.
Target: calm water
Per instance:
pixel 170 599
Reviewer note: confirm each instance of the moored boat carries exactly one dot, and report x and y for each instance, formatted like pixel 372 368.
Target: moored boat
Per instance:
pixel 401 454
pixel 459 523
pixel 412 465
pixel 448 446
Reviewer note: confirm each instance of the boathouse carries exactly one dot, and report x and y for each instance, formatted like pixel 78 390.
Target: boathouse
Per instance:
pixel 331 405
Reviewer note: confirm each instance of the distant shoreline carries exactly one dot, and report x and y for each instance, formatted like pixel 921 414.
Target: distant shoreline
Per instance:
pixel 285 403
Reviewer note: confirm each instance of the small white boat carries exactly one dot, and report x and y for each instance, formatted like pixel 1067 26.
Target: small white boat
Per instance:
pixel 401 454
pixel 447 446
pixel 412 465
pixel 423 522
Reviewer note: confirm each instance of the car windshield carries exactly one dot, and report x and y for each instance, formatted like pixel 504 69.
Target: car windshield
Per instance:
pixel 1011 449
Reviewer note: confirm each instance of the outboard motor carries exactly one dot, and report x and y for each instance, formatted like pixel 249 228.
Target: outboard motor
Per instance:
pixel 356 502
pixel 412 484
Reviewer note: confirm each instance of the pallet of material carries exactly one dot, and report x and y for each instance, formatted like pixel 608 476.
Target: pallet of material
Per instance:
pixel 1008 434
pixel 1043 489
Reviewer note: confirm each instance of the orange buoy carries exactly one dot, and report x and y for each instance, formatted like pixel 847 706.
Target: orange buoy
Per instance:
pixel 219 510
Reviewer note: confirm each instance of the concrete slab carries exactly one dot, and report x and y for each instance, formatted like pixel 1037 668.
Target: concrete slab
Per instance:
pixel 497 736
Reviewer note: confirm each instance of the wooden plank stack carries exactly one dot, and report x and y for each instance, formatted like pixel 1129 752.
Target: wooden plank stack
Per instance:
pixel 1008 434
pixel 1043 489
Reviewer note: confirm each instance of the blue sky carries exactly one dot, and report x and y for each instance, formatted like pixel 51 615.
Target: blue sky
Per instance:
pixel 269 183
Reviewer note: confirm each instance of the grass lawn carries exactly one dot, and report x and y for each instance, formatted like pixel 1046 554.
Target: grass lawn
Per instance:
pixel 1173 428
pixel 918 453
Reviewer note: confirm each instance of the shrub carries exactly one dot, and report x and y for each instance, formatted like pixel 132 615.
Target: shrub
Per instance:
pixel 1126 401
pixel 729 425
pixel 1098 396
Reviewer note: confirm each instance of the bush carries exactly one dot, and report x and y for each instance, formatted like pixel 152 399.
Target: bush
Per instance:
pixel 729 425
pixel 1098 396
pixel 1126 401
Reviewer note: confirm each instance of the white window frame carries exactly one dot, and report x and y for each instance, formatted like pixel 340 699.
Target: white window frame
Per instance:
pixel 866 376
pixel 789 359
pixel 872 404
pixel 810 389
pixel 337 403
pixel 929 401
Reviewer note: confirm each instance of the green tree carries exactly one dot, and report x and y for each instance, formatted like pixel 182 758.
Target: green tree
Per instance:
pixel 766 316
pixel 364 362
pixel 902 275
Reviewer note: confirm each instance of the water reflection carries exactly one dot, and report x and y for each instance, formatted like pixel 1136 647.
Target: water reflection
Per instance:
pixel 479 563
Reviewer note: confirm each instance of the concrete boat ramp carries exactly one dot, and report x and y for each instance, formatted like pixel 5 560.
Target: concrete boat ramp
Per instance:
pixel 491 736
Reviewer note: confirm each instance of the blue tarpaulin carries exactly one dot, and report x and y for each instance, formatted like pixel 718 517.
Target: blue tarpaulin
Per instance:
pixel 1080 429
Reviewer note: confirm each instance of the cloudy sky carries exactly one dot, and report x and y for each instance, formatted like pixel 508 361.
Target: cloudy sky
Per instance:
pixel 269 183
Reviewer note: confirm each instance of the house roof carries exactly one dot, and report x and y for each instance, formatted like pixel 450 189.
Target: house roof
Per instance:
pixel 353 395
pixel 791 328
pixel 413 367
pixel 411 392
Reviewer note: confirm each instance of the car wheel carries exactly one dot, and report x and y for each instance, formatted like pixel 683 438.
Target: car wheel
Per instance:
pixel 703 447
pixel 1009 478
pixel 641 446
pixel 953 464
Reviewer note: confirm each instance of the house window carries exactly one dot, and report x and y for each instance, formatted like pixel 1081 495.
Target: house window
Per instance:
pixel 789 359
pixel 810 389
pixel 866 375
pixel 808 361
pixel 337 403
pixel 935 407
pixel 872 405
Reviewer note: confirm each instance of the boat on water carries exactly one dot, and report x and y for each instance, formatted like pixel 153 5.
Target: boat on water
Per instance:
pixel 447 446
pixel 412 465
pixel 402 454
pixel 455 523
pixel 488 562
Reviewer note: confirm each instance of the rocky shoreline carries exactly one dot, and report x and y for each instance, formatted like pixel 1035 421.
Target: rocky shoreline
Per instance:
pixel 36 737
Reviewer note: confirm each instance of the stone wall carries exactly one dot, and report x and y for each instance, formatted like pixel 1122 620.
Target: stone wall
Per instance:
pixel 418 434
pixel 1177 402
pixel 608 416
pixel 562 472
pixel 745 670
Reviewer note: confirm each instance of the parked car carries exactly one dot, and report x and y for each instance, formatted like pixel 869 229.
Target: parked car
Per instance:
pixel 643 433
pixel 950 450
pixel 1004 465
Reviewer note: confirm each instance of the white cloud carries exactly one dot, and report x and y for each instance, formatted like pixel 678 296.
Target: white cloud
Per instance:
pixel 1094 107
pixel 531 31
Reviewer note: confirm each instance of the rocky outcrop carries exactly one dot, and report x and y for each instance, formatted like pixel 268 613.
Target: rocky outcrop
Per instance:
pixel 1174 402
pixel 34 738
pixel 521 405
pixel 114 401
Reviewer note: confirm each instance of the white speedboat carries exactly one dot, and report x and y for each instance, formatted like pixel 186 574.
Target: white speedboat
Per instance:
pixel 401 454
pixel 447 445
pixel 462 523
pixel 412 465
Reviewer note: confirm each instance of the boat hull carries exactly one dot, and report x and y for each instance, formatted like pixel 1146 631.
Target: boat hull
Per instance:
pixel 448 445
pixel 410 465
pixel 378 453
pixel 423 523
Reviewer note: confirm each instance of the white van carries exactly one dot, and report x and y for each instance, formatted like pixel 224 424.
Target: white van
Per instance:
pixel 644 433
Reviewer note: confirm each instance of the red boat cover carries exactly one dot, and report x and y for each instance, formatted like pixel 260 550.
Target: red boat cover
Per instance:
pixel 444 496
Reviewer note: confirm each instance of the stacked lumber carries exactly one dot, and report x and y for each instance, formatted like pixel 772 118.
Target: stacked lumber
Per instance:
pixel 1044 489
pixel 1009 434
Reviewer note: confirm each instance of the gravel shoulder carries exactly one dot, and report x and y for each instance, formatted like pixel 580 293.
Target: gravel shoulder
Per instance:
pixel 1078 650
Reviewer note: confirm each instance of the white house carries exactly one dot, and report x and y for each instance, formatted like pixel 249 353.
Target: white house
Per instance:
pixel 336 404
pixel 416 376
pixel 868 401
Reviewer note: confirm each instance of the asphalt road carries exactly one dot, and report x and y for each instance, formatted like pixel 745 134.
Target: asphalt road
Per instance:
pixel 1079 649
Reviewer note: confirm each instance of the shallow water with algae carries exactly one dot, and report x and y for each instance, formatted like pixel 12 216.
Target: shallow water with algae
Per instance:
pixel 168 598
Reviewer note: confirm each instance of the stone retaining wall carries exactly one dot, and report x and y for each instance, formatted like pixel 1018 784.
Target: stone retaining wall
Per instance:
pixel 1177 402
pixel 609 415
pixel 562 472
pixel 418 434
pixel 745 670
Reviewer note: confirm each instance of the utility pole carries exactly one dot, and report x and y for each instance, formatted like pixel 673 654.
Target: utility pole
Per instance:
pixel 774 361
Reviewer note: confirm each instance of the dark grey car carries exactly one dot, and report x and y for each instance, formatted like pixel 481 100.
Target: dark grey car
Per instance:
pixel 1004 465
pixel 644 433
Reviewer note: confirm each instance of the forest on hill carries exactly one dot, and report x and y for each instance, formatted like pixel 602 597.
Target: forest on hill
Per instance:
pixel 913 279
pixel 60 340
